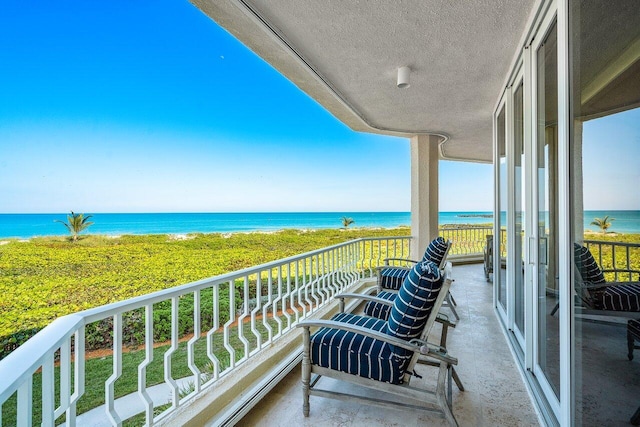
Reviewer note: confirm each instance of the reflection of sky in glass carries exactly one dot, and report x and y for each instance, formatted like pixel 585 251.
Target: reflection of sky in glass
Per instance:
pixel 611 161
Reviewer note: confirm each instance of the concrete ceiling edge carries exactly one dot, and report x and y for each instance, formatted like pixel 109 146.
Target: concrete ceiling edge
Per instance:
pixel 264 39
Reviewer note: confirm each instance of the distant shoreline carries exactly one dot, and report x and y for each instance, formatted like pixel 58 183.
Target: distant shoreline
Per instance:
pixel 25 226
pixel 227 234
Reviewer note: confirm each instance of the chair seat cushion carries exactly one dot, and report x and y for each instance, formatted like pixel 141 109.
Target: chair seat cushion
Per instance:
pixel 619 297
pixel 356 354
pixel 392 277
pixel 378 310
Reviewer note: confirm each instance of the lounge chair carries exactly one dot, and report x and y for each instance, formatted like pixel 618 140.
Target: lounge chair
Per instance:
pixel 381 355
pixel 388 303
pixel 390 278
pixel 488 258
pixel 599 297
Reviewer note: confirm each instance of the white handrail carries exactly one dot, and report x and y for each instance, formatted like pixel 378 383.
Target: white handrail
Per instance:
pixel 295 287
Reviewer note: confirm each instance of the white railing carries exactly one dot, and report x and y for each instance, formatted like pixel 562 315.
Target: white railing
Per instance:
pixel 619 260
pixel 466 239
pixel 230 318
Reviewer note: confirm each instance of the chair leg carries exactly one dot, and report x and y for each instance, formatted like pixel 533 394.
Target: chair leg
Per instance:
pixel 555 309
pixel 451 306
pixel 630 344
pixel 635 420
pixel 306 371
pixel 456 378
pixel 453 300
pixel 442 396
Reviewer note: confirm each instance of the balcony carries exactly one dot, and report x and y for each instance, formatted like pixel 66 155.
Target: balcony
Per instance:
pixel 238 354
pixel 494 395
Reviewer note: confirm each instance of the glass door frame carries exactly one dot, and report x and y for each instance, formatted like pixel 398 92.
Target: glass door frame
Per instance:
pixel 553 409
pixel 534 232
pixel 519 79
pixel 497 224
pixel 506 104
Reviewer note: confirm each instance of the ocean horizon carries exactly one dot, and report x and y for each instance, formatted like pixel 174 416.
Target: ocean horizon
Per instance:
pixel 25 226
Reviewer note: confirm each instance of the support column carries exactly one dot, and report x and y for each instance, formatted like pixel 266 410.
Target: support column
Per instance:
pixel 424 192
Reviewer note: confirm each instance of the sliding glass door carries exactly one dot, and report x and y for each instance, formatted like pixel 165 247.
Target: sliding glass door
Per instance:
pixel 546 361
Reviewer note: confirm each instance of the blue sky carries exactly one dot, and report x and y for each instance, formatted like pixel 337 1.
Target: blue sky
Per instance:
pixel 140 106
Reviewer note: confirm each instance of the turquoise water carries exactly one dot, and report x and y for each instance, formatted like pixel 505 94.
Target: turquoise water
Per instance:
pixel 31 225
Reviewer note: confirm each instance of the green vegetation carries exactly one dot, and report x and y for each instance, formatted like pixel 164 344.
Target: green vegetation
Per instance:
pixel 603 223
pixel 46 278
pixel 77 224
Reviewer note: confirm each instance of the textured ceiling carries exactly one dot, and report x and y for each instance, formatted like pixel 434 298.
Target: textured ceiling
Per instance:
pixel 346 54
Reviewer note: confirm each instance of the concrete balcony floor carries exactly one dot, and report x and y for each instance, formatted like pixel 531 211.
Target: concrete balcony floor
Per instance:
pixel 494 395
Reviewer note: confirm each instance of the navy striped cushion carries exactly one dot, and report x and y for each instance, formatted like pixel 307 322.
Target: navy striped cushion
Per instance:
pixel 587 266
pixel 436 251
pixel 377 310
pixel 619 297
pixel 633 326
pixel 414 302
pixel 356 354
pixel 392 277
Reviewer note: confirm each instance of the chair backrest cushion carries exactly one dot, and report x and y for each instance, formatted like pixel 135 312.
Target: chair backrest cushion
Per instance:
pixel 436 251
pixel 414 302
pixel 587 266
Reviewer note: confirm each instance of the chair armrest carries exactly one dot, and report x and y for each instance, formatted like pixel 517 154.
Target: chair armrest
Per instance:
pixel 444 319
pixel 405 260
pixel 365 297
pixel 423 347
pixel 332 324
pixel 435 352
pixel 362 297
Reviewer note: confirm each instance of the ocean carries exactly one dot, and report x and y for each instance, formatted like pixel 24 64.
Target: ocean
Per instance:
pixel 25 226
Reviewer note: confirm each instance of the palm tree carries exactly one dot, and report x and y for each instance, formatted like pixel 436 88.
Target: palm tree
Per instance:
pixel 603 223
pixel 346 222
pixel 77 223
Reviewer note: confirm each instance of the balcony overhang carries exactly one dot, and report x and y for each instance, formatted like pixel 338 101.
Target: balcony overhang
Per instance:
pixel 345 55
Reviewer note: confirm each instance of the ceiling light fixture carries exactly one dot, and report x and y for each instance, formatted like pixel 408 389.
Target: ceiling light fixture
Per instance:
pixel 403 77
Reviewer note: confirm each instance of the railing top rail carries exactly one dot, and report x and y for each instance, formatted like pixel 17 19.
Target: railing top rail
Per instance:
pixel 608 242
pixel 465 226
pixel 26 359
pixel 367 239
pixel 98 313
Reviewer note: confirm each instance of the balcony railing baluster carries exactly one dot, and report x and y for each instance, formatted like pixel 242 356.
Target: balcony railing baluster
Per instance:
pixel 117 371
pixel 142 367
pixel 168 377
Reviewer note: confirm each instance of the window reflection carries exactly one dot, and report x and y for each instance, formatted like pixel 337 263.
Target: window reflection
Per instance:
pixel 547 199
pixel 605 147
